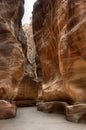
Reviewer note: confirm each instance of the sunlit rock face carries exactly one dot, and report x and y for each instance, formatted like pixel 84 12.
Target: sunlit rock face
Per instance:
pixel 60 38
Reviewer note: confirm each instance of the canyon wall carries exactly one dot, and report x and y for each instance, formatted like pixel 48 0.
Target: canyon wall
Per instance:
pixel 12 61
pixel 60 38
pixel 59 35
pixel 15 83
pixel 28 87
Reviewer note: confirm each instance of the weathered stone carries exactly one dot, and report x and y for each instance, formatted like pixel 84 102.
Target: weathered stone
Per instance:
pixel 76 113
pixel 59 35
pixel 29 85
pixel 7 110
pixel 28 89
pixel 59 49
pixel 33 68
pixel 52 107
pixel 30 52
pixel 25 103
pixel 12 60
pixel 72 48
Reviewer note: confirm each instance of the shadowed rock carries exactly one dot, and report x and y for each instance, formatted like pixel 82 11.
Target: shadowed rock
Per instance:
pixel 7 110
pixel 52 107
pixel 29 85
pixel 27 92
pixel 25 103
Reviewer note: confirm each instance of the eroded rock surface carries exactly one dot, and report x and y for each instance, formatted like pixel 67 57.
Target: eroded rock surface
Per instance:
pixel 16 82
pixel 60 36
pixel 27 92
pixel 31 51
pixel 33 67
pixel 7 110
pixel 12 60
pixel 29 85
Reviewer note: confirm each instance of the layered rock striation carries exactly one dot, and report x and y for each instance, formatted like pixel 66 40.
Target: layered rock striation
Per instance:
pixel 29 85
pixel 15 83
pixel 12 61
pixel 60 36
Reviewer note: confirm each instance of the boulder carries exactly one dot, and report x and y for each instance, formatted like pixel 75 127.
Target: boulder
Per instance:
pixel 52 107
pixel 74 113
pixel 7 110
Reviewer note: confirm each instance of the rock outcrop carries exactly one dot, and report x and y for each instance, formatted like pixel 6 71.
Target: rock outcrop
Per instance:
pixel 15 83
pixel 60 36
pixel 12 61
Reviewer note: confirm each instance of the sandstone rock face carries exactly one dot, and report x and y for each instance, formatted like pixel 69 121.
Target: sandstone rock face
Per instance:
pixel 28 87
pixel 16 82
pixel 31 51
pixel 12 60
pixel 72 49
pixel 33 68
pixel 47 48
pixel 7 110
pixel 59 34
pixel 27 92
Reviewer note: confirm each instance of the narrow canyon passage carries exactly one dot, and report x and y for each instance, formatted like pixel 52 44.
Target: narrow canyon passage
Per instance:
pixel 42 64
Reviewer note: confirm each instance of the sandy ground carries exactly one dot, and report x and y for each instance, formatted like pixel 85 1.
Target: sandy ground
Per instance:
pixel 31 119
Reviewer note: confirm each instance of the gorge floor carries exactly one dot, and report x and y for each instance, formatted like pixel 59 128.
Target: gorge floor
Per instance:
pixel 30 119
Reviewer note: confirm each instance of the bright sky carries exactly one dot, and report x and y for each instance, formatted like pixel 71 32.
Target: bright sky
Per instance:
pixel 28 10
